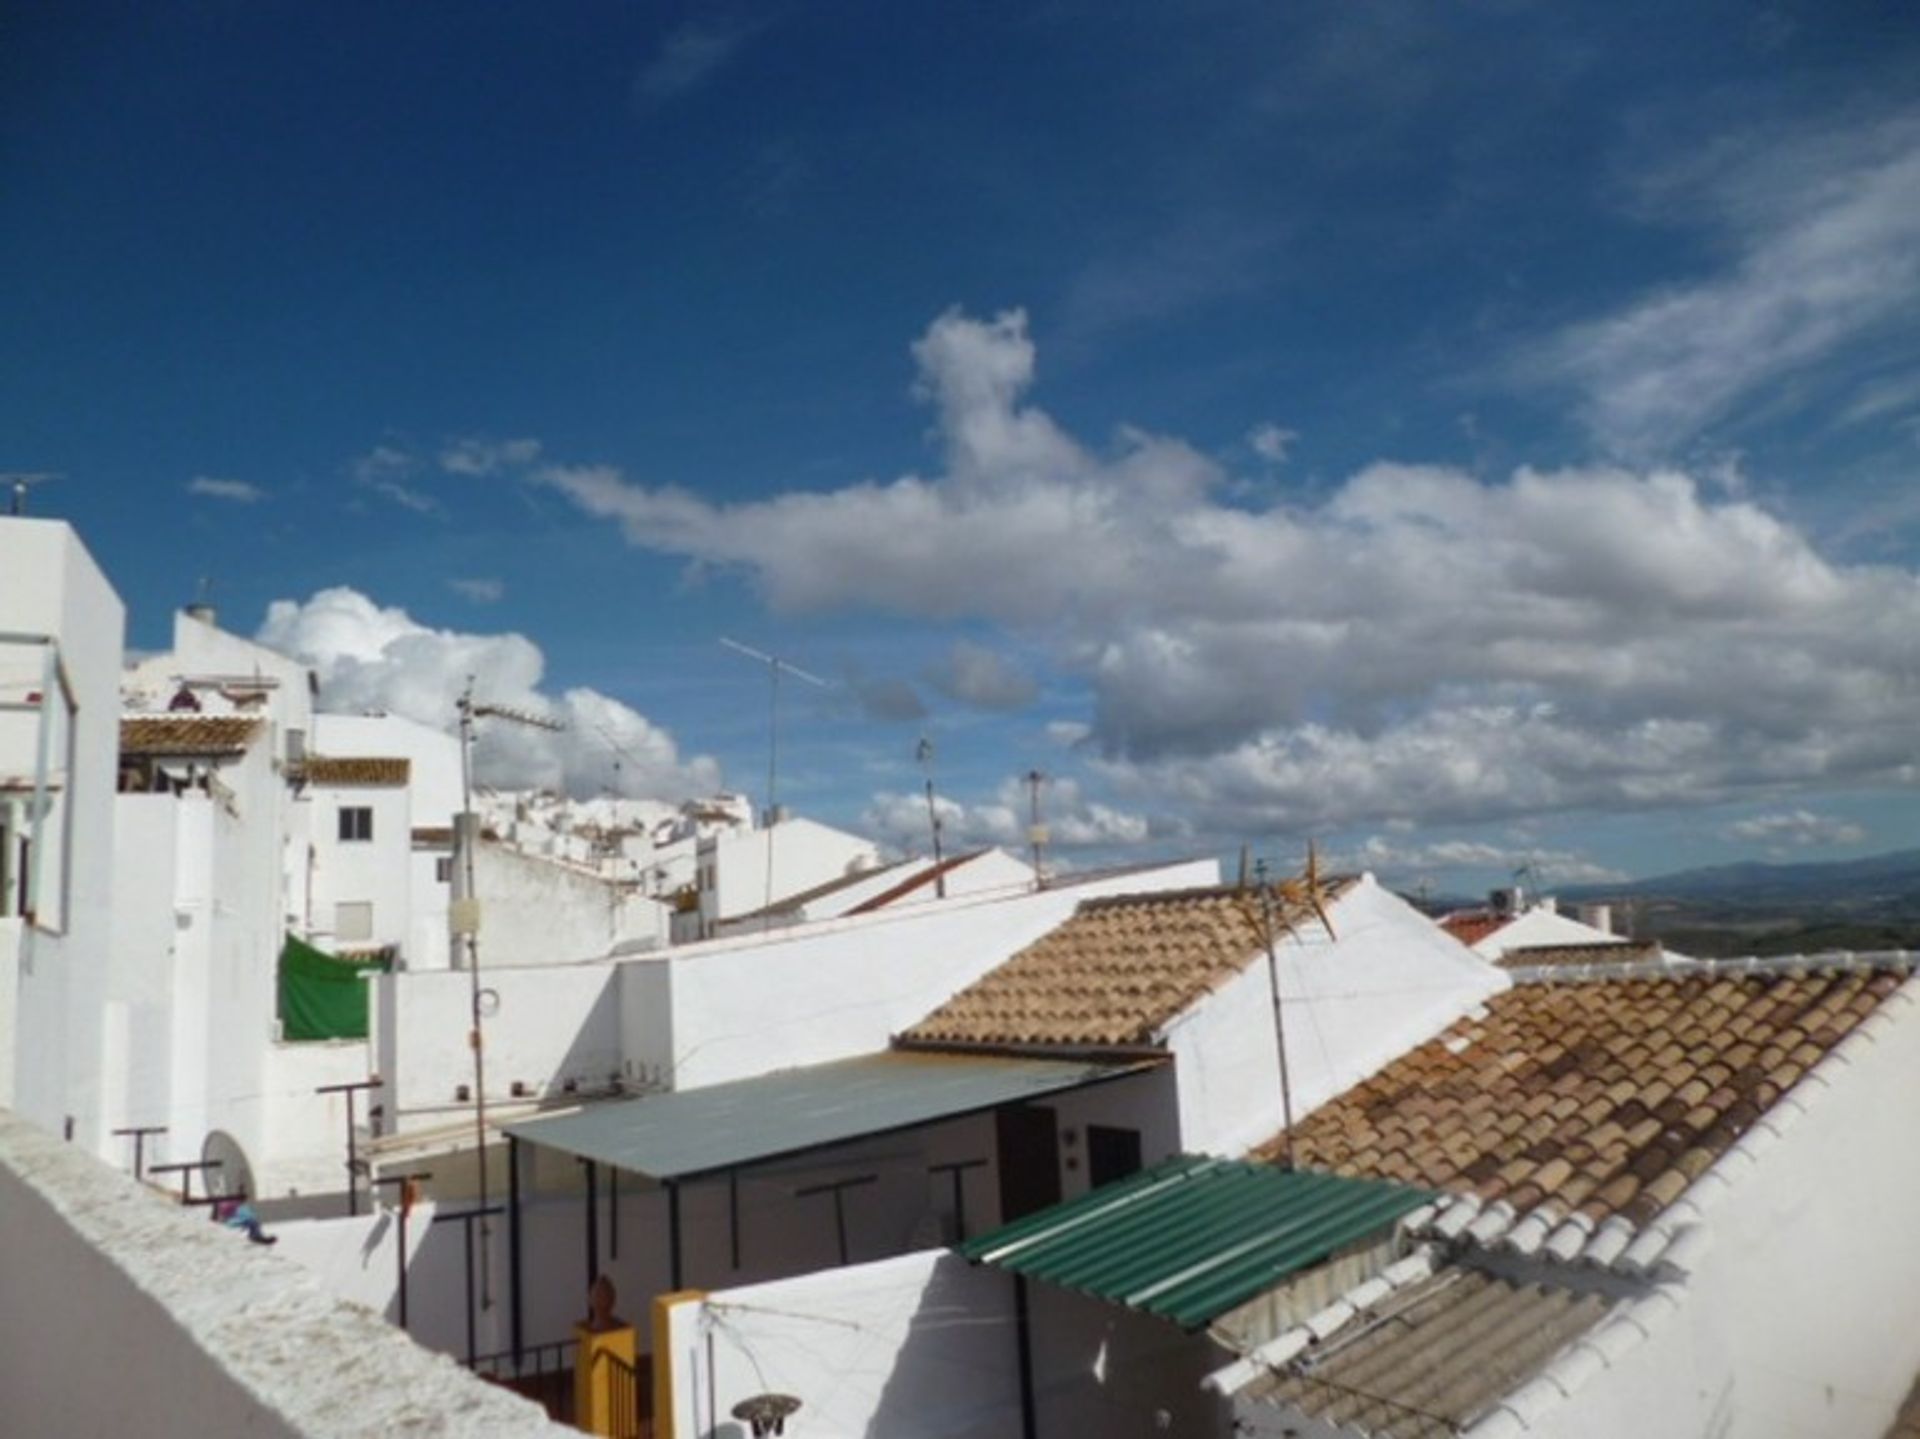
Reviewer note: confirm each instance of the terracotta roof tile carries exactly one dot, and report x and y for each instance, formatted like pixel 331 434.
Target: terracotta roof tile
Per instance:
pixel 1540 956
pixel 160 736
pixel 1472 926
pixel 355 770
pixel 1114 973
pixel 1610 1095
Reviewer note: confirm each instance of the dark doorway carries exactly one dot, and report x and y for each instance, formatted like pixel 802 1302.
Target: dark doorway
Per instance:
pixel 1111 1154
pixel 1029 1160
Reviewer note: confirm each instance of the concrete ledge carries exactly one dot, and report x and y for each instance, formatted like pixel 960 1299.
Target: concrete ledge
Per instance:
pixel 123 1313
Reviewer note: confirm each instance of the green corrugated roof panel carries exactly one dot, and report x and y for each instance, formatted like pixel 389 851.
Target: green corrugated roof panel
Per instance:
pixel 1193 1237
pixel 691 1132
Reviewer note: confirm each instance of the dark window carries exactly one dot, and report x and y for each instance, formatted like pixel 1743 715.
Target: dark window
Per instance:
pixel 443 869
pixel 1111 1154
pixel 356 822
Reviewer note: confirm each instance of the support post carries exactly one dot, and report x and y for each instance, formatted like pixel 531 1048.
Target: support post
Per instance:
pixel 1029 1419
pixel 673 1235
pixel 593 1221
pixel 513 1244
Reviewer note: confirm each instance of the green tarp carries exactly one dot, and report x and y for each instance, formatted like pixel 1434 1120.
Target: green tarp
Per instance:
pixel 322 997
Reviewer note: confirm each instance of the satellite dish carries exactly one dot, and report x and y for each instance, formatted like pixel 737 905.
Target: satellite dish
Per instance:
pixel 235 1175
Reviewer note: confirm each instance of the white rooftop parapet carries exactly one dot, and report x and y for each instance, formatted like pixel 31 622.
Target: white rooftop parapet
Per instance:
pixel 124 1313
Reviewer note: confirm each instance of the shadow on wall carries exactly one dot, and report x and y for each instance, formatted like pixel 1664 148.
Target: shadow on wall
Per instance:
pixel 956 1372
pixel 1101 1369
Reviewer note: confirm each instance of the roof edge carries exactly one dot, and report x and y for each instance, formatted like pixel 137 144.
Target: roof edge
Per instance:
pixel 1833 961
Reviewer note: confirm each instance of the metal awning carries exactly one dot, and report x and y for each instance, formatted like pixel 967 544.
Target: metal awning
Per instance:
pixel 691 1132
pixel 1192 1238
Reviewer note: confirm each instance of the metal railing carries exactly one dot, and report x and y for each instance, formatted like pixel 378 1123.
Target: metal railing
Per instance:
pixel 542 1373
pixel 624 1388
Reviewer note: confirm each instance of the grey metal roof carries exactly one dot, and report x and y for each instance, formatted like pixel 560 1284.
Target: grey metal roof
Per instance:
pixel 1436 1356
pixel 1194 1237
pixel 724 1126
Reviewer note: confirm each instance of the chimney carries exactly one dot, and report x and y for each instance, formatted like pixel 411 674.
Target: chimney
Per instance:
pixel 205 613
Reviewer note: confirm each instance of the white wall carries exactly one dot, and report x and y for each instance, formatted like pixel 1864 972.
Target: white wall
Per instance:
pixel 433 756
pixel 747 1006
pixel 538 911
pixel 124 1314
pixel 1799 1319
pixel 1388 980
pixel 552 1023
pixel 926 1346
pixel 376 871
pixel 303 1145
pixel 910 1348
pixel 1543 926
pixel 50 585
pixel 805 853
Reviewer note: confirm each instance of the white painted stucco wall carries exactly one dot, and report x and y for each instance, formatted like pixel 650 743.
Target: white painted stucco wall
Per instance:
pixel 50 585
pixel 124 1314
pixel 1541 925
pixel 537 911
pixel 911 1348
pixel 551 1024
pixel 1387 980
pixel 729 1009
pixel 375 871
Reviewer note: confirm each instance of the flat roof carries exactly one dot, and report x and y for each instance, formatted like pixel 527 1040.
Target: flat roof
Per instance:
pixel 1194 1237
pixel 691 1132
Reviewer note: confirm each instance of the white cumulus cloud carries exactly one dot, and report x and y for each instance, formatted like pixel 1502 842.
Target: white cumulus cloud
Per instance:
pixel 370 657
pixel 1073 820
pixel 1416 642
pixel 1798 827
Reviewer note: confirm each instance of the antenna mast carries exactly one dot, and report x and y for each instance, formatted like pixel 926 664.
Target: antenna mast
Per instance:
pixel 1279 1023
pixel 924 753
pixel 19 482
pixel 463 918
pixel 774 665
pixel 1036 831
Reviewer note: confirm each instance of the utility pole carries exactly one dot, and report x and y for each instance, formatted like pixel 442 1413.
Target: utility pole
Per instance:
pixel 463 922
pixel 1279 1024
pixel 1036 831
pixel 774 665
pixel 925 755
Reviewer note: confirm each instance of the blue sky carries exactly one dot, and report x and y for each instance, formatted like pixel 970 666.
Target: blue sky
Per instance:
pixel 1469 435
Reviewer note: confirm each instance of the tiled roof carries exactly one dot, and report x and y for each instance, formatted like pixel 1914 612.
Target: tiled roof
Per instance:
pixel 1114 973
pixel 354 770
pixel 186 735
pixel 1536 956
pixel 1435 1357
pixel 1472 926
pixel 1601 1095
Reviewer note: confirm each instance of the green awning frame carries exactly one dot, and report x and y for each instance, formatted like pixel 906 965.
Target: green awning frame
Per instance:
pixel 1194 1237
pixel 688 1133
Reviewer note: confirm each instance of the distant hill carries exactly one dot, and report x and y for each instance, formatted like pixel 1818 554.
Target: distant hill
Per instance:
pixel 1754 908
pixel 1878 879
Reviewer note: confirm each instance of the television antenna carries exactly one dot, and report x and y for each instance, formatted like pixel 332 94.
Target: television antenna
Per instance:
pixel 923 752
pixel 1037 835
pixel 775 664
pixel 18 482
pixel 464 922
